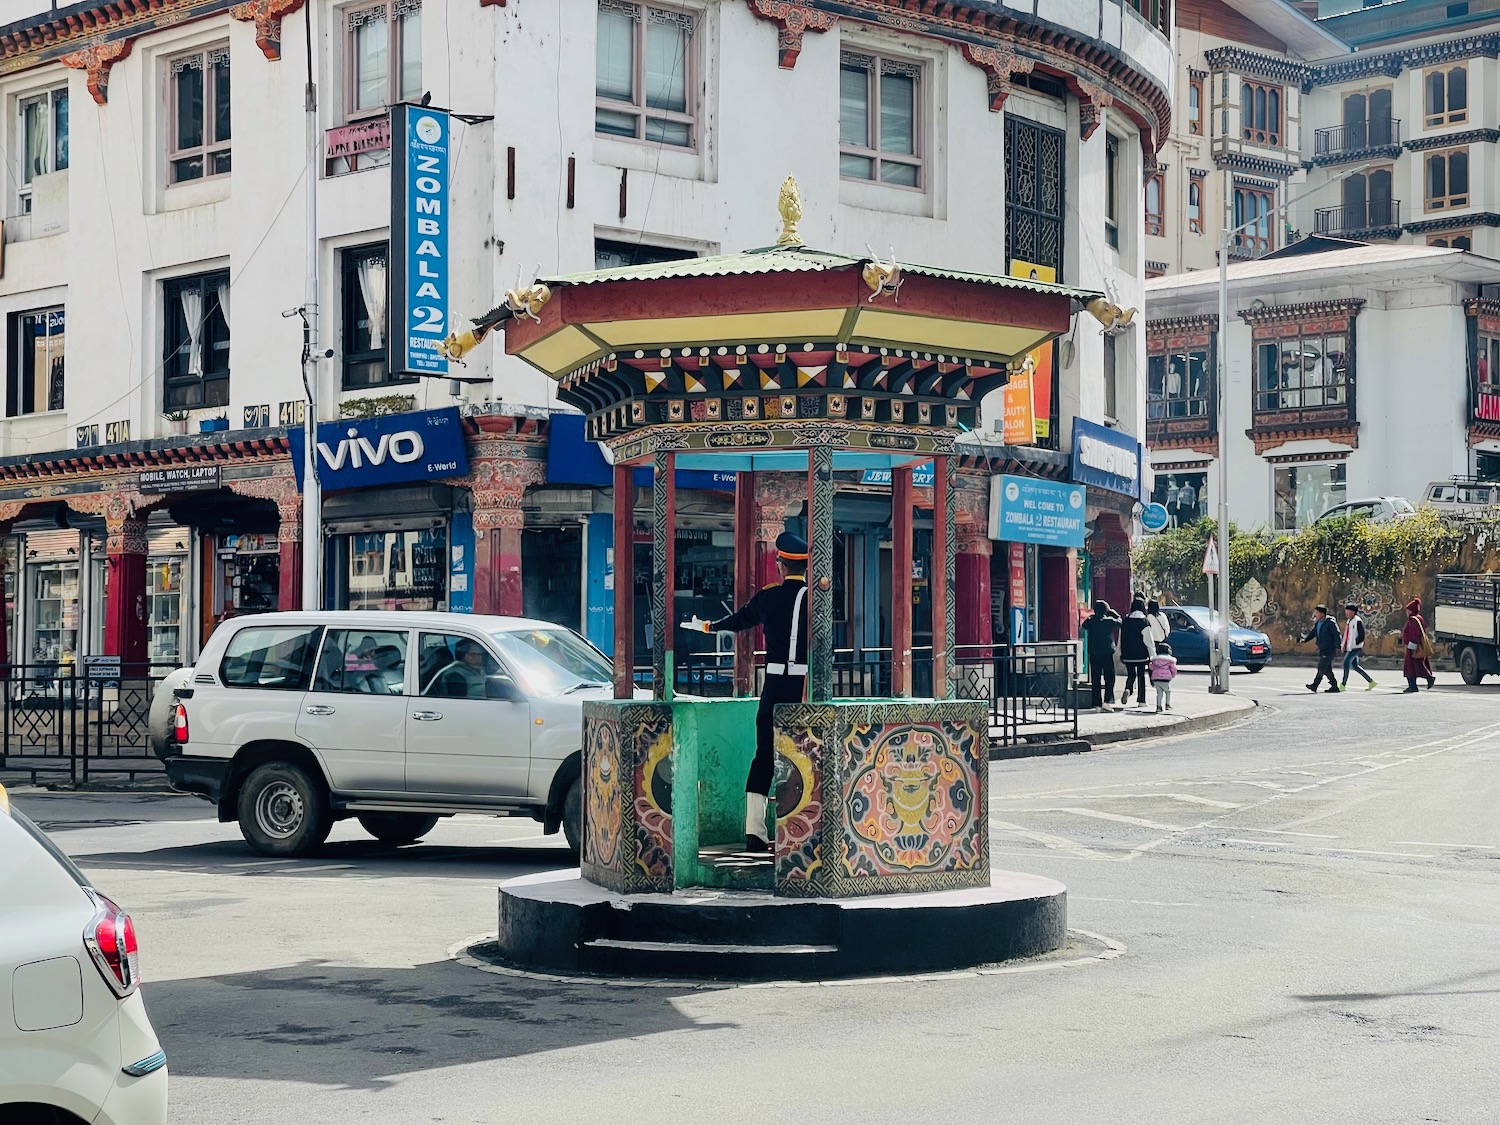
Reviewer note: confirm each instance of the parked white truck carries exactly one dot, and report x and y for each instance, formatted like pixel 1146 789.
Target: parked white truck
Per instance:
pixel 291 721
pixel 1466 617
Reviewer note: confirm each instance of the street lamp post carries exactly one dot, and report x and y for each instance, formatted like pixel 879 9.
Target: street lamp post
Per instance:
pixel 1221 663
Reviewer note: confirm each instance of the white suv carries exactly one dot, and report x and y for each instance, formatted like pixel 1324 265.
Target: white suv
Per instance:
pixel 75 1044
pixel 290 721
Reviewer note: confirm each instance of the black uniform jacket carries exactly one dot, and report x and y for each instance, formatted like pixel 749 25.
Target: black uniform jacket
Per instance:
pixel 772 610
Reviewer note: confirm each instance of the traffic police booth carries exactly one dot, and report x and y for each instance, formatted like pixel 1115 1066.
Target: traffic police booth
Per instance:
pixel 783 360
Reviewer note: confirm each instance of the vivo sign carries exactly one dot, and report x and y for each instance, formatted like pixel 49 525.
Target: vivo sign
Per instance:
pixel 419 281
pixel 425 445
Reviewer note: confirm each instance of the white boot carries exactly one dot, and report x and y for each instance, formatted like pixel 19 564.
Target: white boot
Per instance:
pixel 755 823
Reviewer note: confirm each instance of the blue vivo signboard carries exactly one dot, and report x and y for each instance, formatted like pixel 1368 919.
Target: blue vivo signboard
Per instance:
pixel 418 301
pixel 391 449
pixel 1106 458
pixel 1025 510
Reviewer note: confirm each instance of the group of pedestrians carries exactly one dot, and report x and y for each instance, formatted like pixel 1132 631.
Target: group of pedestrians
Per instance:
pixel 1140 640
pixel 1350 640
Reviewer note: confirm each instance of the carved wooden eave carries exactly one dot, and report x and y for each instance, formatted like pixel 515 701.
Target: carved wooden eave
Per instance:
pixel 793 20
pixel 1315 310
pixel 1002 45
pixel 1177 325
pixel 999 64
pixel 92 37
pixel 1344 433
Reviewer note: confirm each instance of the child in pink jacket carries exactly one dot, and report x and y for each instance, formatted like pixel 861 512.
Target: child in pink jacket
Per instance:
pixel 1163 672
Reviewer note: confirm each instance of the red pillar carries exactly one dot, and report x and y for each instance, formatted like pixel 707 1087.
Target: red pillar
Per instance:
pixel 125 603
pixel 942 500
pixel 901 552
pixel 1058 577
pixel 507 568
pixel 972 595
pixel 624 582
pixel 289 591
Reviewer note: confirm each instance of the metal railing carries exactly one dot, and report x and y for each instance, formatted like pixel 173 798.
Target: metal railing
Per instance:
pixel 1357 136
pixel 1376 214
pixel 60 720
pixel 1030 688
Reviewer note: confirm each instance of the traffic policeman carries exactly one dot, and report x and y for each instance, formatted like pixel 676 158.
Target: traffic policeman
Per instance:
pixel 782 611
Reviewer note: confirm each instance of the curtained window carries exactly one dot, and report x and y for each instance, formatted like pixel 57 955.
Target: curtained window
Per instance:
pixel 365 325
pixel 645 74
pixel 195 337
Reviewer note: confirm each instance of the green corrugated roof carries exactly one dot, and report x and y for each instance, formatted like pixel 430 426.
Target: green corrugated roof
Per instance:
pixel 795 259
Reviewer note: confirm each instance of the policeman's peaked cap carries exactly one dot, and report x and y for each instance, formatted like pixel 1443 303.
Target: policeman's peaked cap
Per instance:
pixel 792 548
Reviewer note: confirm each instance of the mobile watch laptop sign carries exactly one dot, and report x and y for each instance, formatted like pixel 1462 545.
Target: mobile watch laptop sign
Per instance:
pixel 420 219
pixel 391 449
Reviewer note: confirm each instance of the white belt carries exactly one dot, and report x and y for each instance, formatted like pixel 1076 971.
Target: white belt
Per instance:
pixel 786 669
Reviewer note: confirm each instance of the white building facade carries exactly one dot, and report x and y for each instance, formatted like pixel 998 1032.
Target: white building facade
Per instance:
pixel 155 240
pixel 1353 372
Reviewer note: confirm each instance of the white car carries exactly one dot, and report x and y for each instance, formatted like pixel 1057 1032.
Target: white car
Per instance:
pixel 1376 509
pixel 76 1047
pixel 290 721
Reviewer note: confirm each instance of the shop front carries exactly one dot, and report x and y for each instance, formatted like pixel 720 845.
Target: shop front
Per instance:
pixel 396 537
pixel 1108 463
pixel 1038 526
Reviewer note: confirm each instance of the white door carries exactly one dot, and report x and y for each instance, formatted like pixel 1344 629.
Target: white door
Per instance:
pixel 461 741
pixel 355 711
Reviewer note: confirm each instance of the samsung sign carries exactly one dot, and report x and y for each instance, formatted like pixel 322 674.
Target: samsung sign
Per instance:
pixel 392 449
pixel 420 218
pixel 1105 458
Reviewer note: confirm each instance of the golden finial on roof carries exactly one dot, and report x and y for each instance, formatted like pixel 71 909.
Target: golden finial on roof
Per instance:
pixel 789 203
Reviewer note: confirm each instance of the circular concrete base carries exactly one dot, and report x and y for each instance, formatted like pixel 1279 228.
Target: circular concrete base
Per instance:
pixel 559 921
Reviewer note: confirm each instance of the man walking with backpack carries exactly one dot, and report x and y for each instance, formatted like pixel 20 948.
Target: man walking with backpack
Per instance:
pixel 1354 646
pixel 1326 633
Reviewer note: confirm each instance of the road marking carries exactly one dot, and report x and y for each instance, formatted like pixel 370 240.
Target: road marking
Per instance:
pixel 1046 839
pixel 1118 818
pixel 1351 851
pixel 1288 832
pixel 1471 847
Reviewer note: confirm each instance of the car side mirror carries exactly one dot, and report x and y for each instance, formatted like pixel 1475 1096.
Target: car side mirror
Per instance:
pixel 504 689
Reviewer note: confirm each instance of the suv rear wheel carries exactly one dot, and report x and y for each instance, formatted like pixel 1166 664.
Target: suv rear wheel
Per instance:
pixel 397 827
pixel 282 811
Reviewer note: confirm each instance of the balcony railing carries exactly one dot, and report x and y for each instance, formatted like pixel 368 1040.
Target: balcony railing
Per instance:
pixel 1357 136
pixel 1377 214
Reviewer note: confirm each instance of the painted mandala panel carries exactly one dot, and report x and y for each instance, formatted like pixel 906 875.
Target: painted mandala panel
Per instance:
pixel 602 803
pixel 799 806
pixel 910 799
pixel 651 773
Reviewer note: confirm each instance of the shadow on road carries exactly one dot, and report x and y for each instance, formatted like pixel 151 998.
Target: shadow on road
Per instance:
pixel 361 1028
pixel 365 857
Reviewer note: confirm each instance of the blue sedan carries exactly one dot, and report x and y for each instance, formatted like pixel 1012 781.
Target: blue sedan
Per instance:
pixel 1191 641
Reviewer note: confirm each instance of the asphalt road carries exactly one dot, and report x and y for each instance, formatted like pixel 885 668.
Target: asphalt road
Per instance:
pixel 1307 904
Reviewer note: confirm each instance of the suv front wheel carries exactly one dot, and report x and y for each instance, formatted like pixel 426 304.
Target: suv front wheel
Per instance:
pixel 282 811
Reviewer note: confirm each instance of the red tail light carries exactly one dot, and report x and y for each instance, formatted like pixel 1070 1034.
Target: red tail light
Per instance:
pixel 179 725
pixel 110 938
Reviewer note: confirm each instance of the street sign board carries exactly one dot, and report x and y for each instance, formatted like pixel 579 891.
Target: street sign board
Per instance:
pixel 102 667
pixel 1211 557
pixel 1154 517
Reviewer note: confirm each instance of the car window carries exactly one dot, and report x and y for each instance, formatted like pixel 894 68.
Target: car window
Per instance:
pixel 451 666
pixel 1179 620
pixel 279 657
pixel 1403 507
pixel 363 661
pixel 1442 494
pixel 553 660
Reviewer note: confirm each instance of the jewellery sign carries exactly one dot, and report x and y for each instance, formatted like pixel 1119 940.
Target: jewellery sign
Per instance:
pixel 390 449
pixel 419 280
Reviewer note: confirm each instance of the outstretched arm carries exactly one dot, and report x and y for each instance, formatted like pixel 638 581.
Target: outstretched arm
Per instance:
pixel 748 616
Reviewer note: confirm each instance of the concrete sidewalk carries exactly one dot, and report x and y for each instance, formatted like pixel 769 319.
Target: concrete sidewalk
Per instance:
pixel 1193 709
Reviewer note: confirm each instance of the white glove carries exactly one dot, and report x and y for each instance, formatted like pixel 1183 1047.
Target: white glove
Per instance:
pixel 696 625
